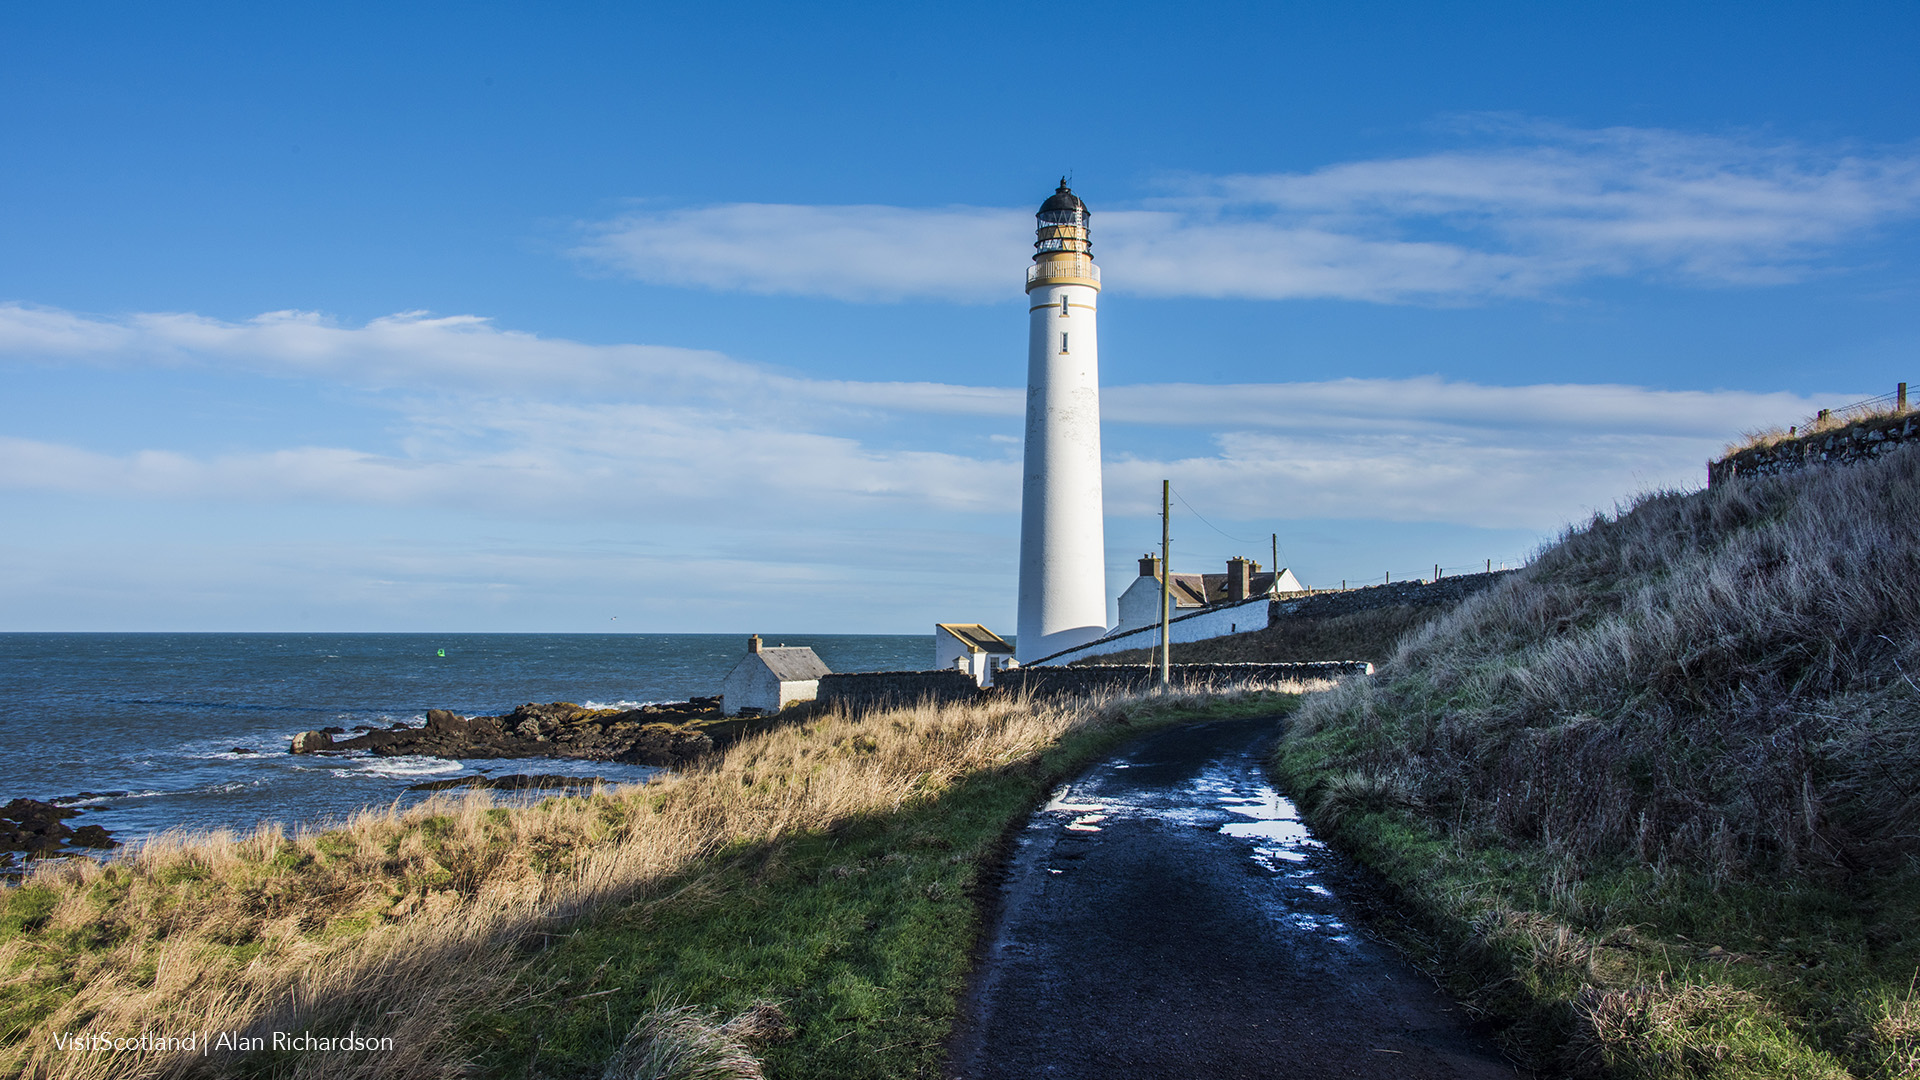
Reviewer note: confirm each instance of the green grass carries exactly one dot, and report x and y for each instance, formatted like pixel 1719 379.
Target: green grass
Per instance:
pixel 1617 969
pixel 863 934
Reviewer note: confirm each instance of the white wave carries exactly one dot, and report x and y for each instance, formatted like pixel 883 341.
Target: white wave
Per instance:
pixel 105 799
pixel 406 766
pixel 621 704
pixel 225 789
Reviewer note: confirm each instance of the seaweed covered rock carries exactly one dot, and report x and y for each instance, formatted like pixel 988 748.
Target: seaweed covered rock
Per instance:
pixel 649 735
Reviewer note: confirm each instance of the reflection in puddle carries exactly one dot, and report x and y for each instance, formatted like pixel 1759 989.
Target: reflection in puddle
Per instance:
pixel 1232 798
pixel 1059 803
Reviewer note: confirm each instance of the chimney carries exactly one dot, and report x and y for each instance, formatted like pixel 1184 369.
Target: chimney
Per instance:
pixel 753 643
pixel 1150 566
pixel 1239 578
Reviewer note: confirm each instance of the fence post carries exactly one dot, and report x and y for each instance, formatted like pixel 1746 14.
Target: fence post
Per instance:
pixel 1900 397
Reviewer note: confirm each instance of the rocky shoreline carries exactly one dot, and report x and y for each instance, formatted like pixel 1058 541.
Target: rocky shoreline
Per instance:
pixel 665 735
pixel 662 735
pixel 33 829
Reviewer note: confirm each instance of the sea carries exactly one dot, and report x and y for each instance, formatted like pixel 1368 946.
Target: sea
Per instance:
pixel 158 727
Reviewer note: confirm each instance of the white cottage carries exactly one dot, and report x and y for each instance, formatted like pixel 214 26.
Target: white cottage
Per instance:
pixel 1189 593
pixel 972 648
pixel 767 680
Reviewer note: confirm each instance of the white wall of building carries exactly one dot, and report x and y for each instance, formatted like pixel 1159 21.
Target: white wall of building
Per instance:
pixel 1063 567
pixel 1214 622
pixel 1140 605
pixel 750 685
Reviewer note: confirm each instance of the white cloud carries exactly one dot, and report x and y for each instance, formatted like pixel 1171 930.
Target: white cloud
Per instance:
pixel 416 350
pixel 686 433
pixel 1433 405
pixel 1542 208
pixel 863 253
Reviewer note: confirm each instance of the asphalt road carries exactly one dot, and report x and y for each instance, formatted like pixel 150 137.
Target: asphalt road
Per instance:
pixel 1168 915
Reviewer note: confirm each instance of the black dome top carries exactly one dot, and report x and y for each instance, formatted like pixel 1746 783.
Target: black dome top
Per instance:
pixel 1063 199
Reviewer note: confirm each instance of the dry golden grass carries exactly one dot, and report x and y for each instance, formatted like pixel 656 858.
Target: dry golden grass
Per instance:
pixel 1820 425
pixel 398 923
pixel 1718 680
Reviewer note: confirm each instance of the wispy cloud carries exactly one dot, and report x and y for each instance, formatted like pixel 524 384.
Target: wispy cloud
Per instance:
pixel 685 433
pixel 1527 210
pixel 877 254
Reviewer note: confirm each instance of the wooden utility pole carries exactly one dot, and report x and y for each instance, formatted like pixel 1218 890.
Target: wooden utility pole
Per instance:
pixel 1276 557
pixel 1166 576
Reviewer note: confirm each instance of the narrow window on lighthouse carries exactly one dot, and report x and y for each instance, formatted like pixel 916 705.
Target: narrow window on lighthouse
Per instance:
pixel 1063 342
pixel 1063 307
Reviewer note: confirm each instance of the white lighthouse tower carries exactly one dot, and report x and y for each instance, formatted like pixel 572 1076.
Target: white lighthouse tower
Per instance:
pixel 1063 569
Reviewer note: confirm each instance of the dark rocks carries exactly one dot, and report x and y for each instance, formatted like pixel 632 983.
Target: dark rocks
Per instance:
pixel 92 836
pixel 243 750
pixel 514 782
pixel 334 730
pixel 649 735
pixel 38 829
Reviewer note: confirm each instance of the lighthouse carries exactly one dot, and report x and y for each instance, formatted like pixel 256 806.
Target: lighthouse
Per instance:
pixel 1063 569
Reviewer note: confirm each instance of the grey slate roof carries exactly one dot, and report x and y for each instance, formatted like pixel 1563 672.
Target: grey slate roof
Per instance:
pixel 792 663
pixel 1200 590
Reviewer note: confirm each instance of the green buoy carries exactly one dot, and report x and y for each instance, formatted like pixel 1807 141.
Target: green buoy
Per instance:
pixel 443 652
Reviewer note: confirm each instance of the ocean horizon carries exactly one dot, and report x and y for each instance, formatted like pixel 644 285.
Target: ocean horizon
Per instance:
pixel 190 730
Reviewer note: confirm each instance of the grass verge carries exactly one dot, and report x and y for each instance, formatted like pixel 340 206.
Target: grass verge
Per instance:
pixel 860 933
pixel 1623 970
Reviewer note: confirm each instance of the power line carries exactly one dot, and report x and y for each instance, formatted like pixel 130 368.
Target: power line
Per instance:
pixel 1204 521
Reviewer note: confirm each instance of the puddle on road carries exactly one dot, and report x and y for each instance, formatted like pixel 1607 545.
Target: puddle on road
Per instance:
pixel 1233 799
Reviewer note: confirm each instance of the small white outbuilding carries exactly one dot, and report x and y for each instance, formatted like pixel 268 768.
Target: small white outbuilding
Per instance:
pixel 972 648
pixel 767 680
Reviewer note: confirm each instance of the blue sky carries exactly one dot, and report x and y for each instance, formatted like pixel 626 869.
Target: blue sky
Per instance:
pixel 496 317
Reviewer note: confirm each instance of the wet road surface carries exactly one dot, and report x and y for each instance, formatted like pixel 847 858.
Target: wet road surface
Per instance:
pixel 1168 915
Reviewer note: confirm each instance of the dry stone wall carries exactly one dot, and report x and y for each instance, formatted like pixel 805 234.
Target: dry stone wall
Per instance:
pixel 1860 441
pixel 868 689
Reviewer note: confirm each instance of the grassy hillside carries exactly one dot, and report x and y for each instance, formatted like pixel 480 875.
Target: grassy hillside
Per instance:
pixel 1360 635
pixel 1654 802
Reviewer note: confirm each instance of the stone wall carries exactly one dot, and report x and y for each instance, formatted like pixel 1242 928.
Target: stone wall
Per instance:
pixel 1858 441
pixel 1116 678
pixel 1444 592
pixel 867 689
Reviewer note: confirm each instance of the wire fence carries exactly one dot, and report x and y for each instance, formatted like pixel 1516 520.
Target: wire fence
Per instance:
pixel 1883 405
pixel 1431 573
